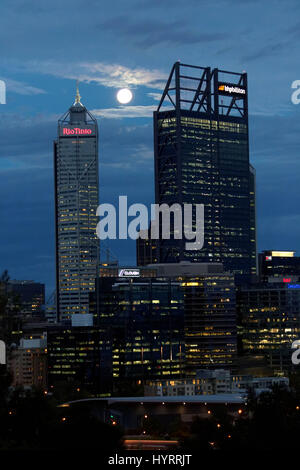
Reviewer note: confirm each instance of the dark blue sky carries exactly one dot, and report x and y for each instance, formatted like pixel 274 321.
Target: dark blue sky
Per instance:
pixel 45 46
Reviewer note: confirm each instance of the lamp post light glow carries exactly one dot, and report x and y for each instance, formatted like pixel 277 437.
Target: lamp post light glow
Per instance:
pixel 124 96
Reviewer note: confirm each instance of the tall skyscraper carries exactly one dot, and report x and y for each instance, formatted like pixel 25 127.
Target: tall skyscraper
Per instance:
pixel 201 149
pixel 76 201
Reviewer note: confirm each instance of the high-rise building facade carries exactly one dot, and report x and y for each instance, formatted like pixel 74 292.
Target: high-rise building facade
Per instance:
pixel 145 320
pixel 76 201
pixel 201 149
pixel 80 354
pixel 269 320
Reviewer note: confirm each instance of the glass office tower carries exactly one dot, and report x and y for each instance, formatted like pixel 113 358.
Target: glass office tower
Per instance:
pixel 201 149
pixel 76 201
pixel 144 317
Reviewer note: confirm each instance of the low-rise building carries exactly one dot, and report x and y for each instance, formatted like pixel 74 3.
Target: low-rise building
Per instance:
pixel 28 364
pixel 213 382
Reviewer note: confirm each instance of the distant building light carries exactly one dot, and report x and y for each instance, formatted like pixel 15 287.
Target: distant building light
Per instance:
pixel 284 254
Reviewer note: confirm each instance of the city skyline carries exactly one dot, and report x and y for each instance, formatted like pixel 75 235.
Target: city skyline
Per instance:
pixel 149 242
pixel 40 87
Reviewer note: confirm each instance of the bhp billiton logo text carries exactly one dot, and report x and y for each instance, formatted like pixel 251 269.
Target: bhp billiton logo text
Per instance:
pixel 176 221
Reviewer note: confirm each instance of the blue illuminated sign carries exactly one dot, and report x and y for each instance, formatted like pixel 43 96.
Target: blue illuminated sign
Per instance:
pixel 294 286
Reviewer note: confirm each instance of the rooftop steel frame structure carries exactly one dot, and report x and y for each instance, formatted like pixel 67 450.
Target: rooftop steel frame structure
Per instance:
pixel 197 89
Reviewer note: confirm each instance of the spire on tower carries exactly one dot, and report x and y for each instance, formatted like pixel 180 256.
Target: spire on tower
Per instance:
pixel 77 97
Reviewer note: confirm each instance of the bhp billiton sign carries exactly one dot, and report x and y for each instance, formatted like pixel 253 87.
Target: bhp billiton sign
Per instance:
pixel 231 90
pixel 76 131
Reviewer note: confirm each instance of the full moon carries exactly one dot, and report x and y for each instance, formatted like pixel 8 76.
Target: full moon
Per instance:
pixel 124 96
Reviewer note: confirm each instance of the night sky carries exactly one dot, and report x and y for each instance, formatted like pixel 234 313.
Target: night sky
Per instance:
pixel 47 45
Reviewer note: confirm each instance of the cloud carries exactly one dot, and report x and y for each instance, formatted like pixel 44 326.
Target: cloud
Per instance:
pixel 155 96
pixel 125 112
pixel 149 32
pixel 266 51
pixel 21 88
pixel 108 75
pixel 26 142
pixel 116 75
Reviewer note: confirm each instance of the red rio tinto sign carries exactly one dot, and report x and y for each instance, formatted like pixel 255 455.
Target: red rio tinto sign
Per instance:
pixel 76 131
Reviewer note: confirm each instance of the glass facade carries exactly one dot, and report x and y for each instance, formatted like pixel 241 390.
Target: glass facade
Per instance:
pixel 213 170
pixel 269 321
pixel 76 202
pixel 210 322
pixel 80 355
pixel 145 317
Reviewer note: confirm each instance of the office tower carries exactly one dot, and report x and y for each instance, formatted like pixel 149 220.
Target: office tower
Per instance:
pixel 269 321
pixel 210 319
pixel 76 201
pixel 79 354
pixel 146 250
pixel 29 294
pixel 279 264
pixel 146 322
pixel 253 239
pixel 201 150
pixel 209 313
pixel 168 320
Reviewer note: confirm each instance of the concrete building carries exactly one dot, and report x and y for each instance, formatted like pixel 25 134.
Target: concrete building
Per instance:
pixel 28 363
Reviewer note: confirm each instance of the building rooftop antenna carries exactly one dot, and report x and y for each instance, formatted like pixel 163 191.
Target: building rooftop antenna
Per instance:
pixel 77 97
